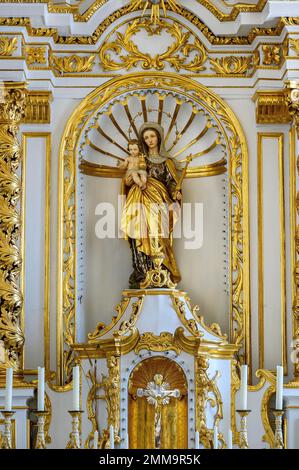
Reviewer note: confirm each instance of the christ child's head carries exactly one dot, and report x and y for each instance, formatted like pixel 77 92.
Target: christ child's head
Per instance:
pixel 133 147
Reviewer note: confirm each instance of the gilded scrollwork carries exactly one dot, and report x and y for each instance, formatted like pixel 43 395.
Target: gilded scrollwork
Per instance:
pixel 12 108
pixel 214 328
pixel 101 329
pixel 110 385
pixel 232 65
pixel 163 342
pixel 189 323
pixel 177 55
pixel 207 391
pixel 129 324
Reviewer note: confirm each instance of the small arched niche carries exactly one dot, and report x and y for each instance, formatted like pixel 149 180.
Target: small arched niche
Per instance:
pixel 153 421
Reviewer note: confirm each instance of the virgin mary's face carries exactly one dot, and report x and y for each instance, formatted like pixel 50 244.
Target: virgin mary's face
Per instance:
pixel 151 139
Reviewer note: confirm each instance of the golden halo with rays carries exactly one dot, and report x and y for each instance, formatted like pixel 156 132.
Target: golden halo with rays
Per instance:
pixel 188 129
pixel 155 6
pixel 130 130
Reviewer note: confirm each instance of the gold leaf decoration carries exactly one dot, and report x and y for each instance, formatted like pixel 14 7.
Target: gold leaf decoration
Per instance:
pixel 73 64
pixel 8 45
pixel 155 6
pixel 231 65
pixel 295 45
pixel 177 55
pixel 163 342
pixel 272 55
pixel 35 55
pixel 12 110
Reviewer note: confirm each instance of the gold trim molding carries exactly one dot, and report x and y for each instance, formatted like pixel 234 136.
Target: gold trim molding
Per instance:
pixel 292 90
pixel 279 137
pixel 236 9
pixel 118 14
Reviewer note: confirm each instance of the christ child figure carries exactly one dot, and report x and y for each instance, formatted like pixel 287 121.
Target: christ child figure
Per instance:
pixel 135 164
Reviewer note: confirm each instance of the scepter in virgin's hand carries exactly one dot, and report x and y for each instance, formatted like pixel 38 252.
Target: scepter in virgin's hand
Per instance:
pixel 181 179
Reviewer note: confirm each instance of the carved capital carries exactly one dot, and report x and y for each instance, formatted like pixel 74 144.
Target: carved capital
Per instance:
pixel 12 102
pixel 292 99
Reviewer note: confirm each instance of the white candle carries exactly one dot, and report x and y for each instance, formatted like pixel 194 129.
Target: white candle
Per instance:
pixel 216 437
pixel 230 439
pixel 41 389
pixel 244 380
pixel 8 389
pixel 111 437
pixel 279 387
pixel 197 440
pixel 76 388
pixel 95 439
pixel 126 441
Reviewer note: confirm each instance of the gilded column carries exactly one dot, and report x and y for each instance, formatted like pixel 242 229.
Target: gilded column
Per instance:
pixel 12 106
pixel 292 94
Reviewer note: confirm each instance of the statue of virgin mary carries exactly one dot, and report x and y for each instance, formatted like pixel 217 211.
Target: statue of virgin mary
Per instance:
pixel 150 214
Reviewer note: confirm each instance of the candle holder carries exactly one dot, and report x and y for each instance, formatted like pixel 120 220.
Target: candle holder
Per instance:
pixel 40 442
pixel 6 441
pixel 75 437
pixel 243 444
pixel 278 439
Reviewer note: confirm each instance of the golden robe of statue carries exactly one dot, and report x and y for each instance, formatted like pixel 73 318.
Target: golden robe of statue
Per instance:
pixel 149 215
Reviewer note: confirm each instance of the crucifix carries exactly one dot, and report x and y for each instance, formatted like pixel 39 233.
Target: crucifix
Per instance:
pixel 158 394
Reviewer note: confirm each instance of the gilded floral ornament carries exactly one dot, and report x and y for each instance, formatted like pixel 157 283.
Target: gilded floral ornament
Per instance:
pixel 272 54
pixel 232 65
pixel 35 55
pixel 163 342
pixel 8 45
pixel 155 6
pixel 177 55
pixel 72 64
pixel 294 43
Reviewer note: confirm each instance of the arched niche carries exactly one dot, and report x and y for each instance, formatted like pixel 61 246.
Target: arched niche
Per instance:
pixel 144 411
pixel 71 311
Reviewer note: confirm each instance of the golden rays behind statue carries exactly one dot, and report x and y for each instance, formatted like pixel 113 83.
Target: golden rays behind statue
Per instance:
pixel 155 6
pixel 152 140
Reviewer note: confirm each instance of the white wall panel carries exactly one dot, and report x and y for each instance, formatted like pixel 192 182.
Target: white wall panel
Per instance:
pixel 34 172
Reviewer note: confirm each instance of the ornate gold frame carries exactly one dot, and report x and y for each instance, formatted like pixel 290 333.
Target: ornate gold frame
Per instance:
pixel 238 191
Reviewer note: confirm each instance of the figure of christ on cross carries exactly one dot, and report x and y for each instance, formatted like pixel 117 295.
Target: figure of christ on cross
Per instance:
pixel 158 395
